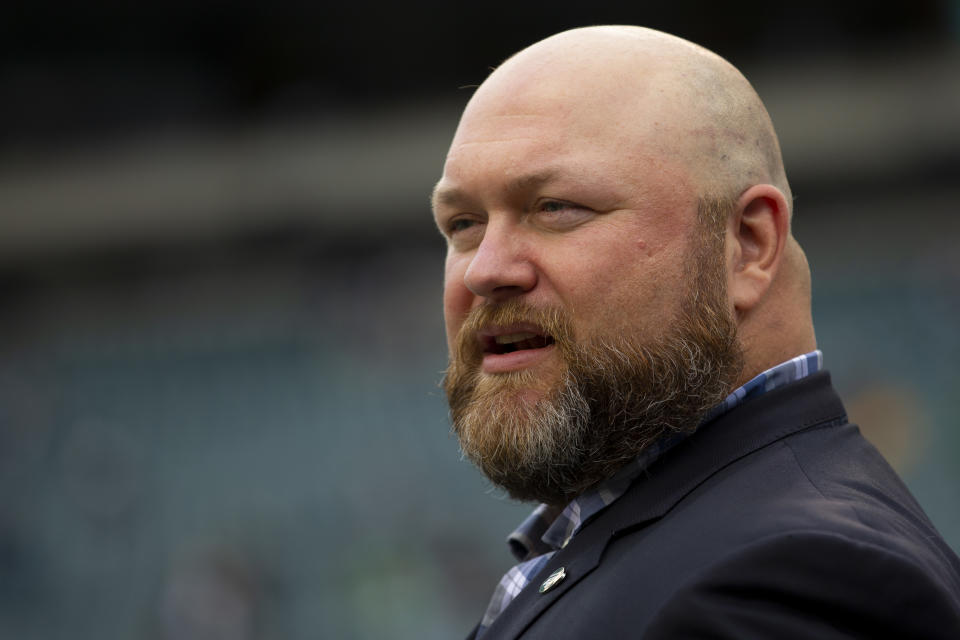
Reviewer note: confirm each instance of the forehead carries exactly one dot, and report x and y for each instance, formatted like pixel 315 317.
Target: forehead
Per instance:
pixel 525 149
pixel 566 115
pixel 606 124
pixel 552 111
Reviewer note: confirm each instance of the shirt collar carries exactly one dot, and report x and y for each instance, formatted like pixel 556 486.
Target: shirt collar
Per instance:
pixel 548 528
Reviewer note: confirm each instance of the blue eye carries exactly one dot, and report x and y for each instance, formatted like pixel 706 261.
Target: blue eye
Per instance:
pixel 560 215
pixel 551 206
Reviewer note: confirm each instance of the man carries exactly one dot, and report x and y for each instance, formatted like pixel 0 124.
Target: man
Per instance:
pixel 628 318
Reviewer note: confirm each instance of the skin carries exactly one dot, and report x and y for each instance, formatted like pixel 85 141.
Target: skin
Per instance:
pixel 573 180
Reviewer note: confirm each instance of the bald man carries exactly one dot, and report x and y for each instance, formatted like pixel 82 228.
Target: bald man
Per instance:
pixel 631 347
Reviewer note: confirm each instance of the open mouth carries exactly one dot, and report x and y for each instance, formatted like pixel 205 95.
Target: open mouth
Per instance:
pixel 510 342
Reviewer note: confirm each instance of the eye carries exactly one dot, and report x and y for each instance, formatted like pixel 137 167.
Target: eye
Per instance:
pixel 463 231
pixel 557 206
pixel 460 224
pixel 561 214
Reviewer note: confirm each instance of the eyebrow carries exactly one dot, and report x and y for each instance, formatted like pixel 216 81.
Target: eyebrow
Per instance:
pixel 452 196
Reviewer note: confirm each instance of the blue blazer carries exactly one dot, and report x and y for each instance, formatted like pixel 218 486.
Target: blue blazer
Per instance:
pixel 776 520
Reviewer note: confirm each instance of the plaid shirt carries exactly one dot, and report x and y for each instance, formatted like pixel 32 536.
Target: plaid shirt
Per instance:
pixel 548 529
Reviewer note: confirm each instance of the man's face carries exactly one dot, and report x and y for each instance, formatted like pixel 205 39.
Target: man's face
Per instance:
pixel 569 241
pixel 543 205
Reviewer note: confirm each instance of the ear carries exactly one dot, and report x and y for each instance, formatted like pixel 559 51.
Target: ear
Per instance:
pixel 756 235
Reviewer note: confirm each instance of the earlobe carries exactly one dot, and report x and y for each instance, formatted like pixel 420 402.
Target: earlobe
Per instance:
pixel 757 233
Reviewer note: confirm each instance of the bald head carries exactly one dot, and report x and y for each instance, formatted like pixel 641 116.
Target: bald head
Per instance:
pixel 654 93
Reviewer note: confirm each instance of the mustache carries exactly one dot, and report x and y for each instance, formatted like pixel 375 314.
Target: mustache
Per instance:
pixel 550 321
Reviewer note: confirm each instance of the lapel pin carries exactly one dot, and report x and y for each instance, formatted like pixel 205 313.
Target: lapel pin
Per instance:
pixel 553 580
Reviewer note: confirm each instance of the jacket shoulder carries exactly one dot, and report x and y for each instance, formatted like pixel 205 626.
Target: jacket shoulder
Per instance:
pixel 811 584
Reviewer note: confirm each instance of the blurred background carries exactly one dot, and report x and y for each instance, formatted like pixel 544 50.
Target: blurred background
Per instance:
pixel 220 327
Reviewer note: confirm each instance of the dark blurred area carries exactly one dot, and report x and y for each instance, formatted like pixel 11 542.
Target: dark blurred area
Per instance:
pixel 79 73
pixel 220 332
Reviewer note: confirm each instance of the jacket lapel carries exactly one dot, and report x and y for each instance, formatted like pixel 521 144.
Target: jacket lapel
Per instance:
pixel 578 558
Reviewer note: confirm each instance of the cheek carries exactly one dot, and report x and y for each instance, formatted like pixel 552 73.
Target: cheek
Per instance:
pixel 457 299
pixel 597 267
pixel 624 288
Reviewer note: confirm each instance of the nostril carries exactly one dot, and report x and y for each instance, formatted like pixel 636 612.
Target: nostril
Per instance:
pixel 498 269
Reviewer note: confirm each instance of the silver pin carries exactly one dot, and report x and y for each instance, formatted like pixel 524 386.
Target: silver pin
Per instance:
pixel 553 580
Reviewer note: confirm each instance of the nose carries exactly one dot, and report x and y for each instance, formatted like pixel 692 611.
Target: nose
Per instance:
pixel 500 267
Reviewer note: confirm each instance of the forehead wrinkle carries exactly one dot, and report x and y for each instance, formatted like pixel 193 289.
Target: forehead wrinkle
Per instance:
pixel 529 181
pixel 493 141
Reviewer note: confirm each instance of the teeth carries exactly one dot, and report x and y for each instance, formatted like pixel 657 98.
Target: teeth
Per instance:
pixel 514 337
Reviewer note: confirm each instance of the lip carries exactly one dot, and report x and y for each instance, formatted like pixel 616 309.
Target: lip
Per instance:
pixel 515 360
pixel 504 362
pixel 518 327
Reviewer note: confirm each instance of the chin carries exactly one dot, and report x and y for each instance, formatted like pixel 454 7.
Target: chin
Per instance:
pixel 529 386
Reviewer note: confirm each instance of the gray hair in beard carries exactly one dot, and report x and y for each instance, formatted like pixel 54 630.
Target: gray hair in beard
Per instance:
pixel 615 396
